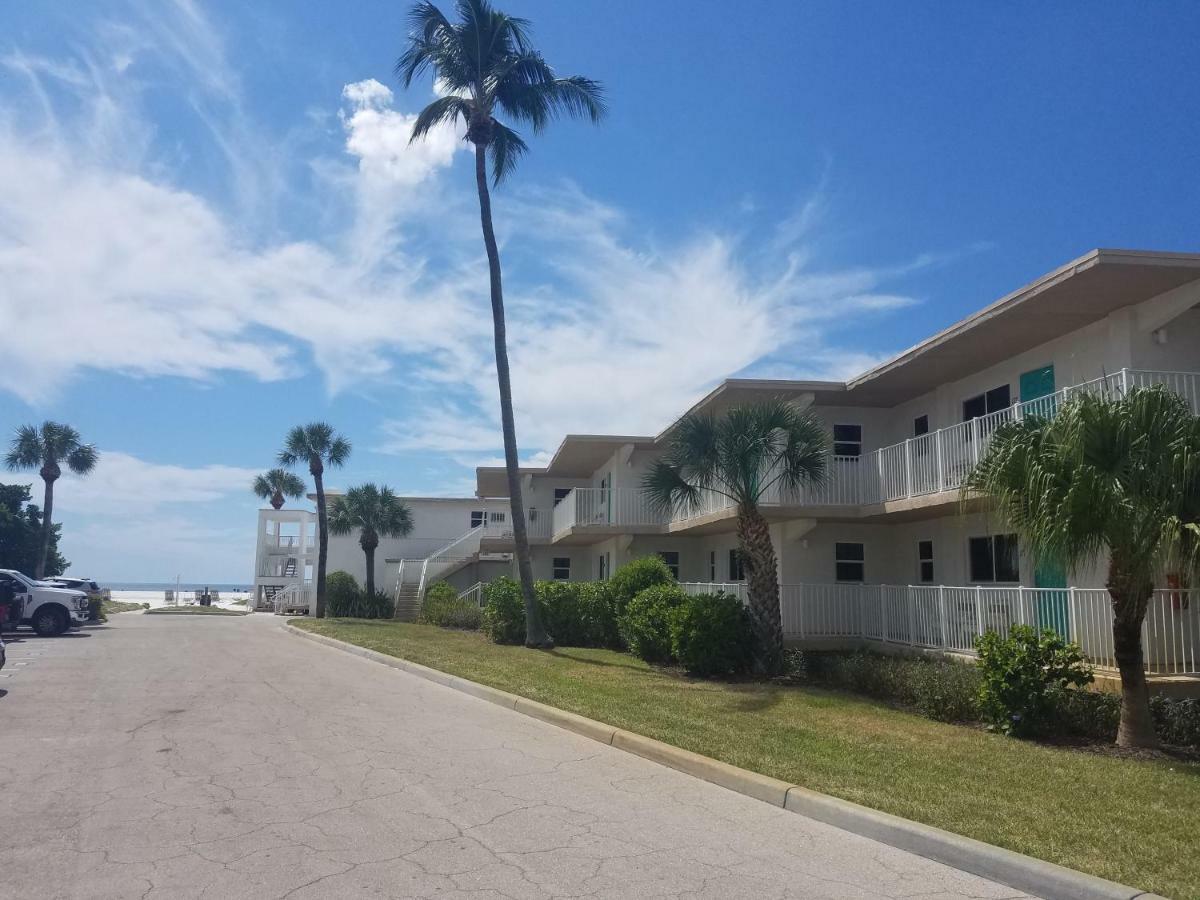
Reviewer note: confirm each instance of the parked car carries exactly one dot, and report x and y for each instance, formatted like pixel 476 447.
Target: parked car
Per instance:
pixel 46 608
pixel 86 585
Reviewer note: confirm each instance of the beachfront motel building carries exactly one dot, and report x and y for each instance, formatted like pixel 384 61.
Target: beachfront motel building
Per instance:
pixel 885 549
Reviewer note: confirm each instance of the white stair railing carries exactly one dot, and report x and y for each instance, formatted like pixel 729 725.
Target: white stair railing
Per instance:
pixel 473 594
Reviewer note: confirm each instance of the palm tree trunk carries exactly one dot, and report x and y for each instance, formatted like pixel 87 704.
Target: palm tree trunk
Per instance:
pixel 762 576
pixel 47 512
pixel 369 552
pixel 322 544
pixel 1129 600
pixel 535 631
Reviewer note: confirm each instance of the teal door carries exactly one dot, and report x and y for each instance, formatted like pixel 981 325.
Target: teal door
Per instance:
pixel 1050 608
pixel 1035 384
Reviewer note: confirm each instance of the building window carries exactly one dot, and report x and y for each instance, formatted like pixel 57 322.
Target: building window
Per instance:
pixel 604 567
pixel 559 493
pixel 478 517
pixel 671 558
pixel 561 568
pixel 712 566
pixel 847 440
pixel 994 558
pixel 849 562
pixel 993 401
pixel 737 571
pixel 920 426
pixel 925 561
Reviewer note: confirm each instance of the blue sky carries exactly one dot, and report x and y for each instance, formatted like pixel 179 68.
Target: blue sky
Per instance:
pixel 212 227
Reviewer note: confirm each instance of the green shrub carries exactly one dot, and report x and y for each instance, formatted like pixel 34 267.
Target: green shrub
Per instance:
pixel 646 623
pixel 341 591
pixel 1083 713
pixel 711 635
pixel 443 608
pixel 96 610
pixel 504 611
pixel 598 615
pixel 360 605
pixel 942 689
pixel 558 602
pixel 1021 674
pixel 634 577
pixel 1177 721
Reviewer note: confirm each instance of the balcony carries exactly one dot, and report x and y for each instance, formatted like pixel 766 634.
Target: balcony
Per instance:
pixel 498 531
pixel 936 462
pixel 587 512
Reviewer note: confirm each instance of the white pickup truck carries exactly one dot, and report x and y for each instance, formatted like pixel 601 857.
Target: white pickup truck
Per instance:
pixel 46 608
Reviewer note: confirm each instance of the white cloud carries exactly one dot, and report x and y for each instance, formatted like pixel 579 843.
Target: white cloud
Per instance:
pixel 122 482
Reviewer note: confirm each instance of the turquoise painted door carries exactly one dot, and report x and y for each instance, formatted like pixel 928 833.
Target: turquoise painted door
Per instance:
pixel 1051 604
pixel 1035 384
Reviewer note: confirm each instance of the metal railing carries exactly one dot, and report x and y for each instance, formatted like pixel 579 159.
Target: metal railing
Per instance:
pixel 940 460
pixel 292 598
pixel 537 525
pixel 950 618
pixel 588 507
pixel 473 594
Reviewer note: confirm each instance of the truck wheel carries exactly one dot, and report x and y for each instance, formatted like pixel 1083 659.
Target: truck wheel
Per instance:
pixel 50 621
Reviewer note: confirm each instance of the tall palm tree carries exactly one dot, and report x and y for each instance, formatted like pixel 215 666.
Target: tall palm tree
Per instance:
pixel 1116 478
pixel 277 484
pixel 375 512
pixel 485 64
pixel 47 449
pixel 740 456
pixel 318 445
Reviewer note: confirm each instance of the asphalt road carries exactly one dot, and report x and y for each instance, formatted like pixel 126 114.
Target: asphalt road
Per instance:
pixel 222 758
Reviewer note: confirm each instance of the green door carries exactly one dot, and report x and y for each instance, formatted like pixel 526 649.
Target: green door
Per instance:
pixel 1051 604
pixel 1035 384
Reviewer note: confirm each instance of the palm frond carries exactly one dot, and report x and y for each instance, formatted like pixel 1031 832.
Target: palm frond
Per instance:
pixel 444 109
pixel 506 149
pixel 25 451
pixel 83 459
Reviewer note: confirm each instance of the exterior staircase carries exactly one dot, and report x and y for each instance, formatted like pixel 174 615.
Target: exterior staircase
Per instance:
pixel 408 602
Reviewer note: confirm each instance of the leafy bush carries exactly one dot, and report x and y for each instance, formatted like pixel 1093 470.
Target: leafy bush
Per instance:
pixel 341 591
pixel 1082 713
pixel 634 577
pixel 1177 721
pixel 443 608
pixel 646 623
pixel 360 605
pixel 598 615
pixel 559 605
pixel 504 611
pixel 942 689
pixel 711 635
pixel 1021 674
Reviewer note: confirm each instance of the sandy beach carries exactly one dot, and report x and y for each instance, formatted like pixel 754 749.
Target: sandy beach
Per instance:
pixel 159 598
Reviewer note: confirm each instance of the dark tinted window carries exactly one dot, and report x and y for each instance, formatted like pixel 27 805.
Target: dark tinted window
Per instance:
pixel 920 426
pixel 848 562
pixel 847 440
pixel 737 571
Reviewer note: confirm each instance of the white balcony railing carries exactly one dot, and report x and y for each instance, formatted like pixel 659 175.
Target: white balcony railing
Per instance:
pixel 942 617
pixel 589 507
pixel 940 461
pixel 537 525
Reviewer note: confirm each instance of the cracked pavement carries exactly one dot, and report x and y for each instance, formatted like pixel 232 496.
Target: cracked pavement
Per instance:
pixel 178 757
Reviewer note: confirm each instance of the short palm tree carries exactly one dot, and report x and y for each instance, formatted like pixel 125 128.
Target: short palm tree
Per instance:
pixel 277 484
pixel 374 512
pixel 47 449
pixel 318 445
pixel 740 456
pixel 485 65
pixel 1115 478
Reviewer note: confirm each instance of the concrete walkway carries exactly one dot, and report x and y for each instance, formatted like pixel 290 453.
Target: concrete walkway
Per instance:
pixel 221 758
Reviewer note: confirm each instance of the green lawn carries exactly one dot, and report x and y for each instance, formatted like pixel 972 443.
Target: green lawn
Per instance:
pixel 194 611
pixel 1128 820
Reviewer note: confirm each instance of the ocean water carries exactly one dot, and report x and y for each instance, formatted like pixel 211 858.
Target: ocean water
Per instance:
pixel 126 586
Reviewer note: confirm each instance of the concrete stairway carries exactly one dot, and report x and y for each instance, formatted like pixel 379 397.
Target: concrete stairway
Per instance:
pixel 408 602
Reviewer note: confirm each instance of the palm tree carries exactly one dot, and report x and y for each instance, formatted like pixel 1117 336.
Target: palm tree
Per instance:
pixel 1116 478
pixel 484 63
pixel 318 445
pixel 277 484
pixel 376 512
pixel 46 449
pixel 740 456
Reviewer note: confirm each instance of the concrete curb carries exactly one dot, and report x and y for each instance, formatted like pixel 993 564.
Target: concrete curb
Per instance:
pixel 1034 876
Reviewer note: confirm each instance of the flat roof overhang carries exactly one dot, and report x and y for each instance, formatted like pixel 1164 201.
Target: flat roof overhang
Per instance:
pixel 1083 291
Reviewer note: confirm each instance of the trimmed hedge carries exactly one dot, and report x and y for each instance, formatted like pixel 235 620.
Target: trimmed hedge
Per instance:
pixel 577 614
pixel 634 577
pixel 942 689
pixel 443 608
pixel 504 611
pixel 646 623
pixel 341 588
pixel 711 634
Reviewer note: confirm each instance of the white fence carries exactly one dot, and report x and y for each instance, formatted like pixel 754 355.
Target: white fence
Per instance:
pixel 584 507
pixel 943 617
pixel 294 598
